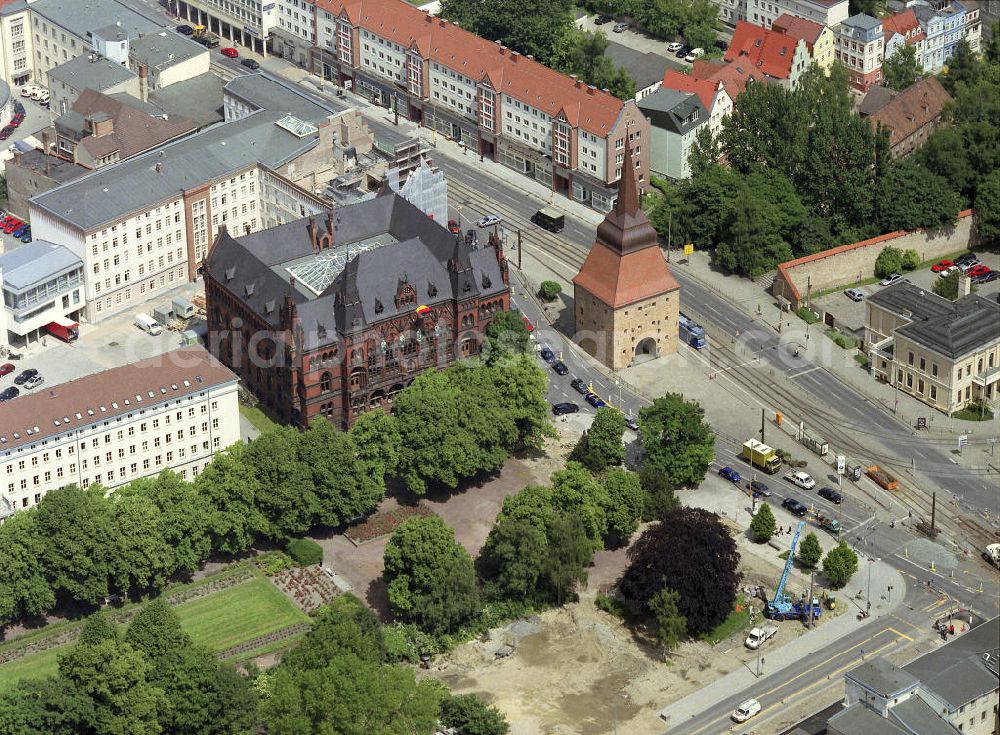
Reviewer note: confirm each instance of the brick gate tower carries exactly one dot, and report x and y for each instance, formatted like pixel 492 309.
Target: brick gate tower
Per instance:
pixel 627 301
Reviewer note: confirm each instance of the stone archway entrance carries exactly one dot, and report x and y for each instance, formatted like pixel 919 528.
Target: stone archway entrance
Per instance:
pixel 645 350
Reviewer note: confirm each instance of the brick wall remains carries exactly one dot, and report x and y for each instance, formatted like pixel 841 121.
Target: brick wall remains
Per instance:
pixel 847 264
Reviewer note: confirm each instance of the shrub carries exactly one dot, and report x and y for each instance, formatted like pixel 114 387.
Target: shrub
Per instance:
pixel 549 290
pixel 470 715
pixel 910 260
pixel 305 552
pixel 272 562
pixel 889 261
pixel 806 315
pixel 844 341
pixel 611 605
pixel 405 642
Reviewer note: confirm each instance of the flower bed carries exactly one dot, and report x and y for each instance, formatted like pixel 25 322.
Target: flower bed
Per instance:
pixel 309 587
pixel 383 523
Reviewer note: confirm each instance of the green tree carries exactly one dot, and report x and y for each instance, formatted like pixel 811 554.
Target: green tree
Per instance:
pixel 231 488
pixel 512 561
pixel 549 290
pixel 342 627
pixel 625 498
pixel 506 335
pixel 704 204
pixel 351 696
pixel 377 441
pixel 569 554
pixel 79 541
pixel 911 260
pixel 987 210
pixel 840 565
pixel 582 53
pixel 902 70
pixel 671 626
pixel 156 631
pixel 98 629
pixel 763 524
pixel 601 445
pixel 50 706
pixel 429 576
pixel 810 551
pixel 575 490
pixel 531 28
pixel 24 589
pixel 184 517
pixel 678 442
pixel 470 715
pixel 944 154
pixel 142 557
pixel 947 287
pixel 704 152
pixel 291 501
pixel 659 494
pixel 963 68
pixel 913 197
pixel 747 245
pixel 889 261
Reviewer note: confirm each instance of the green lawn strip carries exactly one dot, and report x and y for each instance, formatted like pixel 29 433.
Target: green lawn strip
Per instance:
pixel 35 666
pixel 736 620
pixel 237 614
pixel 861 359
pixel 276 647
pixel 261 421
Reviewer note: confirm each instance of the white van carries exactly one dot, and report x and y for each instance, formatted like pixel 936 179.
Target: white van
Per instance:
pixel 38 92
pixel 147 324
pixel 746 710
pixel 28 90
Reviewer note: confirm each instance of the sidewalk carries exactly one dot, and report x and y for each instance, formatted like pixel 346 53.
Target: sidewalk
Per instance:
pixel 805 646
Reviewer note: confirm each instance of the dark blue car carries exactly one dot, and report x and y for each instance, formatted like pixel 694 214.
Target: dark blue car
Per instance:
pixel 594 401
pixel 547 354
pixel 730 474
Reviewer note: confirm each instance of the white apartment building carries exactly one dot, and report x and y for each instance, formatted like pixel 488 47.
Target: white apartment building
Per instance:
pixel 15 44
pixel 174 411
pixel 295 32
pixel 248 23
pixel 765 12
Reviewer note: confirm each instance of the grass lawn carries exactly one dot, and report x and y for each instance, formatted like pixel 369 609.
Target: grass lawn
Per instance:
pixel 738 619
pixel 974 413
pixel 29 667
pixel 237 614
pixel 261 421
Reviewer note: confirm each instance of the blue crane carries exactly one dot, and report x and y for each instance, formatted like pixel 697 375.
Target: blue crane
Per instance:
pixel 781 605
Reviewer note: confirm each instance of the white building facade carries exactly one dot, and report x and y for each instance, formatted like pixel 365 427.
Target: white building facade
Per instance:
pixel 174 411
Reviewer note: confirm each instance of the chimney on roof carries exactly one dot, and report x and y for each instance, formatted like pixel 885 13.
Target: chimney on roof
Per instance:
pixel 45 150
pixel 514 55
pixel 591 89
pixel 330 228
pixel 143 82
pixel 964 284
pixel 313 238
pixel 531 57
pixel 17 157
pixel 158 167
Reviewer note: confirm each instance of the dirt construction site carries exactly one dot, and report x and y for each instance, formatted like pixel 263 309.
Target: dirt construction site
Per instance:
pixel 580 670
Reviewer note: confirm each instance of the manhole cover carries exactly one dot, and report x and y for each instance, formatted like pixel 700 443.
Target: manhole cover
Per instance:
pixel 112 344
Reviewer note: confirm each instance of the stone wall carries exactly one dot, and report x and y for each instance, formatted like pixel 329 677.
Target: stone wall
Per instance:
pixel 848 264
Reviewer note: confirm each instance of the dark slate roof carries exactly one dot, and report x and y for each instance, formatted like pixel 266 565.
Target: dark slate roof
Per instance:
pixel 646 69
pixel 875 99
pixel 957 672
pixel 674 110
pixel 268 93
pixel 883 677
pixel 163 49
pixel 423 253
pixel 915 715
pixel 859 720
pixel 861 20
pixel 82 73
pixel 199 98
pixel 83 17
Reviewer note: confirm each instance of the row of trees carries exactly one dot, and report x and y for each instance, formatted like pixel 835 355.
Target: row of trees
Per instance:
pixel 804 173
pixel 81 545
pixel 839 565
pixel 694 20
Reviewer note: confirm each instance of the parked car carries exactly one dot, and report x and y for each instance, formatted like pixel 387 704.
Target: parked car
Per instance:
pixel 560 408
pixel 9 393
pixel 966 258
pixel 454 228
pixel 756 487
pixel 527 324
pixel 560 367
pixel 830 494
pixel 34 381
pixel 746 710
pixel 619 27
pixel 184 30
pixel 547 354
pixel 696 53
pixel 251 64
pixel 942 265
pixel 594 401
pixel 854 294
pixel 949 271
pixel 674 46
pixel 632 422
pixel 802 479
pixel 987 277
pixel 890 280
pixel 6 369
pixel 730 474
pixel 490 220
pixel 721 45
pixel 578 385
pixel 26 238
pixel 229 51
pixel 977 270
pixel 24 375
pixel 6 132
pixel 794 507
pixel 20 231
pixel 602 19
pixel 683 51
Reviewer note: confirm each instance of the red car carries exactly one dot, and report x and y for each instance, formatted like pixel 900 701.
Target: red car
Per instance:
pixel 453 227
pixel 977 270
pixel 12 224
pixel 528 324
pixel 942 266
pixel 230 52
pixel 6 369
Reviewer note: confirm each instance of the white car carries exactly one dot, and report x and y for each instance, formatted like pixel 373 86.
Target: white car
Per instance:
pixel 746 710
pixel 889 280
pixel 803 480
pixel 674 46
pixel 489 220
pixel 34 381
pixel 948 271
pixel 695 54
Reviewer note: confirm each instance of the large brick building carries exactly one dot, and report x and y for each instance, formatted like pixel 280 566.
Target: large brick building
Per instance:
pixel 627 301
pixel 334 315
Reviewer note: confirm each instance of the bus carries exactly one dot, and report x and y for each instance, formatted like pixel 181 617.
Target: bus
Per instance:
pixel 692 333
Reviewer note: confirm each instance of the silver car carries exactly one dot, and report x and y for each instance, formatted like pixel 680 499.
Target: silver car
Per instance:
pixel 854 294
pixel 890 280
pixel 489 220
pixel 34 381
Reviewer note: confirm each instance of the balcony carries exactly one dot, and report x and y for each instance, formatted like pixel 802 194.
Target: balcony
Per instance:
pixel 986 378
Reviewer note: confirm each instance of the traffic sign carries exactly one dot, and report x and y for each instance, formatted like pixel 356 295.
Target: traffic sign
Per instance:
pixel 841 464
pixel 921 422
pixel 963 439
pixel 688 249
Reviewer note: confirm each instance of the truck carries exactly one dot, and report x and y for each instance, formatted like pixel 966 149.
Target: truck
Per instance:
pixel 780 607
pixel 814 442
pixel 801 479
pixel 757 636
pixel 992 554
pixel 761 456
pixel 65 329
pixel 205 37
pixel 882 478
pixel 828 524
pixel 549 218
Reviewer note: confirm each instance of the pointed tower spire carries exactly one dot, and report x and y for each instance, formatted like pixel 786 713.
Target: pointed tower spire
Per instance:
pixel 628 193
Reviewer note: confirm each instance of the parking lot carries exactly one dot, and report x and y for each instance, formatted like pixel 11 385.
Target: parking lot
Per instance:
pixel 851 315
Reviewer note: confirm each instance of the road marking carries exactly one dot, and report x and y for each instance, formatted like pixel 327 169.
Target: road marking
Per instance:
pixel 935 605
pixel 793 376
pixel 901 635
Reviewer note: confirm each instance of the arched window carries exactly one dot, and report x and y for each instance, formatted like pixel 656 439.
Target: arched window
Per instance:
pixel 325 382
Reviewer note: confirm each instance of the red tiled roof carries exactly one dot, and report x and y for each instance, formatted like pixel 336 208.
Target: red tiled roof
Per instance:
pixel 801 28
pixel 618 280
pixel 767 51
pixel 706 89
pixel 734 76
pixel 522 78
pixel 902 23
pixel 912 109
